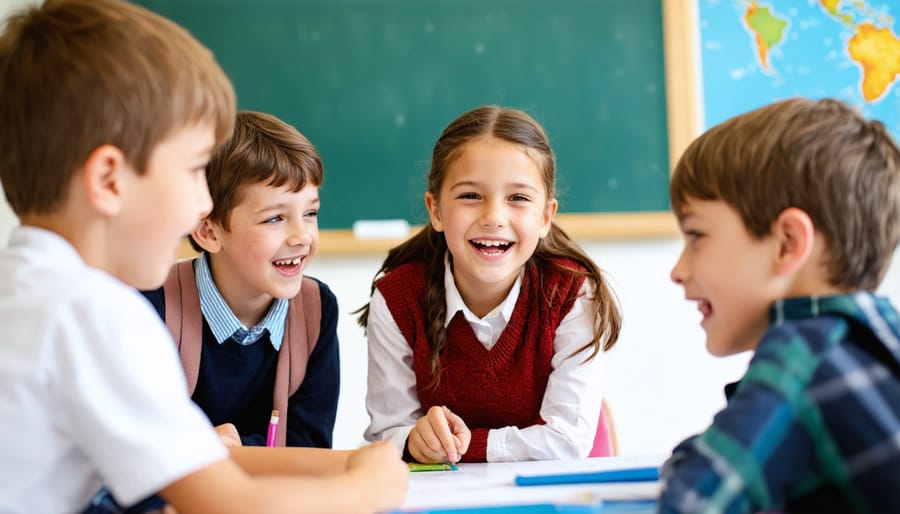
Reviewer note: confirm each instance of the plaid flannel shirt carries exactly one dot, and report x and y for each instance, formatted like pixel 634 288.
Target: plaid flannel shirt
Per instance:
pixel 814 424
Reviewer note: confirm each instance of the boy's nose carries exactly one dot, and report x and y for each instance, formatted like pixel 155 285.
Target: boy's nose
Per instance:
pixel 300 235
pixel 679 271
pixel 204 201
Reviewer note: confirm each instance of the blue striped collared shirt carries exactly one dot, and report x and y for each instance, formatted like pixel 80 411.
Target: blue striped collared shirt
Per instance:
pixel 222 321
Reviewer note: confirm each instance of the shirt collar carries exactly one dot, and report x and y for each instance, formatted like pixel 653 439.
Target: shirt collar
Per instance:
pixel 46 241
pixel 456 304
pixel 848 305
pixel 221 319
pixel 869 310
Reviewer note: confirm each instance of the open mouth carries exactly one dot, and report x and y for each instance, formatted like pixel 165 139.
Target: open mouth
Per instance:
pixel 288 264
pixel 491 247
pixel 705 308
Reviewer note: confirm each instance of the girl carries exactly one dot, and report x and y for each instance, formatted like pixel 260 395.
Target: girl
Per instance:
pixel 483 327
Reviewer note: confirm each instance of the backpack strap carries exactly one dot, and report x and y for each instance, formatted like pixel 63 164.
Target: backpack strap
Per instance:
pixel 301 334
pixel 184 318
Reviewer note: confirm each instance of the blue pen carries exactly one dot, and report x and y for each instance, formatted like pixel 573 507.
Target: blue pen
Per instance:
pixel 647 474
pixel 602 507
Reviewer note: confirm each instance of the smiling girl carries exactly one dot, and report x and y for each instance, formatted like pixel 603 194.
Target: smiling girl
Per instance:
pixel 483 328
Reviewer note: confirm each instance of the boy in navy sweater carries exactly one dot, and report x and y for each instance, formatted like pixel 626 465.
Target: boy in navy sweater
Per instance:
pixel 260 236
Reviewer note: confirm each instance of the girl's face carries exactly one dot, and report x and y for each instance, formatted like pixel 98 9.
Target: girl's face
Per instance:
pixel 493 209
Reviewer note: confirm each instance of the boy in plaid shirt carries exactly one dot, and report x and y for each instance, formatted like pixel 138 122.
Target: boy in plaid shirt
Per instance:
pixel 791 214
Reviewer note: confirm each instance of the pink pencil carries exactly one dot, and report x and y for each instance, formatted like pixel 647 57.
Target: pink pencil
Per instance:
pixel 273 429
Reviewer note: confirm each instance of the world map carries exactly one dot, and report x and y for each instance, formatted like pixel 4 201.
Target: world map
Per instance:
pixel 755 52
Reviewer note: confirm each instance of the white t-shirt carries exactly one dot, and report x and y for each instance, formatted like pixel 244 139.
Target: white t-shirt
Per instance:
pixel 91 388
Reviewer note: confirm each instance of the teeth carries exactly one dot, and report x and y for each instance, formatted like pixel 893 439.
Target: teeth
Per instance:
pixel 490 243
pixel 704 307
pixel 288 262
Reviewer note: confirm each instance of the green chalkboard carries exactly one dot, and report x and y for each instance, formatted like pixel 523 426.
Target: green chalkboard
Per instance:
pixel 372 83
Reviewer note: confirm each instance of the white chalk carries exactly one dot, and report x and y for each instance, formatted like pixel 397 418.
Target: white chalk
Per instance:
pixel 380 229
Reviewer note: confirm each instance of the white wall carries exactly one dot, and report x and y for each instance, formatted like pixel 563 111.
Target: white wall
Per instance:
pixel 660 382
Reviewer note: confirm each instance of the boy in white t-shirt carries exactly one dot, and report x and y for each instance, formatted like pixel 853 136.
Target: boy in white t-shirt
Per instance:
pixel 108 118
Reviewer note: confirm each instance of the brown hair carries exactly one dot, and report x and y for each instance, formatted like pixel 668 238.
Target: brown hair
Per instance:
pixel 517 127
pixel 79 74
pixel 819 156
pixel 262 149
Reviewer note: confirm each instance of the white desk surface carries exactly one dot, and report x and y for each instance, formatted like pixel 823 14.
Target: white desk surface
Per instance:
pixel 493 484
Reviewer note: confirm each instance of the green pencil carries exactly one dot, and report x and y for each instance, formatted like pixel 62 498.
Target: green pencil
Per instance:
pixel 437 466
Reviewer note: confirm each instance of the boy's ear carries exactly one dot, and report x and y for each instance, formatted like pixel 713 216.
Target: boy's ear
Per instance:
pixel 795 235
pixel 206 235
pixel 102 177
pixel 434 213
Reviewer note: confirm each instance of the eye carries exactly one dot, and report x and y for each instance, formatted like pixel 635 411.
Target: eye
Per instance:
pixel 468 196
pixel 692 235
pixel 519 198
pixel 274 219
pixel 312 213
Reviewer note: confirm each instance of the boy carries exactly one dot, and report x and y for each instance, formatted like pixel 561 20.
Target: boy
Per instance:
pixel 257 241
pixel 791 214
pixel 108 118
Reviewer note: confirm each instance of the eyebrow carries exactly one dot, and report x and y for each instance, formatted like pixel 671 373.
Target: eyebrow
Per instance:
pixel 279 206
pixel 515 185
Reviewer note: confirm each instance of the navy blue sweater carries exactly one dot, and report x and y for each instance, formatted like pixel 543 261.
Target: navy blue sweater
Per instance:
pixel 235 382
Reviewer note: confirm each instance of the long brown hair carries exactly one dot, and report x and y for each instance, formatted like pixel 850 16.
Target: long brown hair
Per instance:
pixel 429 245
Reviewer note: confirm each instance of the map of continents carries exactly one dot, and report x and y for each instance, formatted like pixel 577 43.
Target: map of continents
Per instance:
pixel 754 52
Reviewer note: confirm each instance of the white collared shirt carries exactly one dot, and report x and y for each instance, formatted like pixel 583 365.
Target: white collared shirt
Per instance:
pixel 572 400
pixel 488 328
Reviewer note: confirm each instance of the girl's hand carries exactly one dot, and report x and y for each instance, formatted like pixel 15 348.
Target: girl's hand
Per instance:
pixel 439 436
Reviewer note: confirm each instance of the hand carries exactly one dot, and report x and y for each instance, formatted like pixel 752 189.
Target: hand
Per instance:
pixel 229 435
pixel 439 436
pixel 384 477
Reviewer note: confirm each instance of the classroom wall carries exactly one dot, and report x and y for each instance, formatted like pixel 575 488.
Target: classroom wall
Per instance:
pixel 660 383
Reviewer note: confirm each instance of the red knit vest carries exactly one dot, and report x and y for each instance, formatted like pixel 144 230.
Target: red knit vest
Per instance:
pixel 493 388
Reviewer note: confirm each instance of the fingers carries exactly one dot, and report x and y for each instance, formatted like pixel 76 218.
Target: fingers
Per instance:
pixel 461 433
pixel 437 436
pixel 385 473
pixel 228 434
pixel 422 451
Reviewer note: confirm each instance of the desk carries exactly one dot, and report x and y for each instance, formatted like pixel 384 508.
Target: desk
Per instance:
pixel 493 485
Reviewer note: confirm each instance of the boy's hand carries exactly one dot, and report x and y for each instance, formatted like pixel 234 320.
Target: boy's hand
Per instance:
pixel 439 436
pixel 229 435
pixel 384 477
